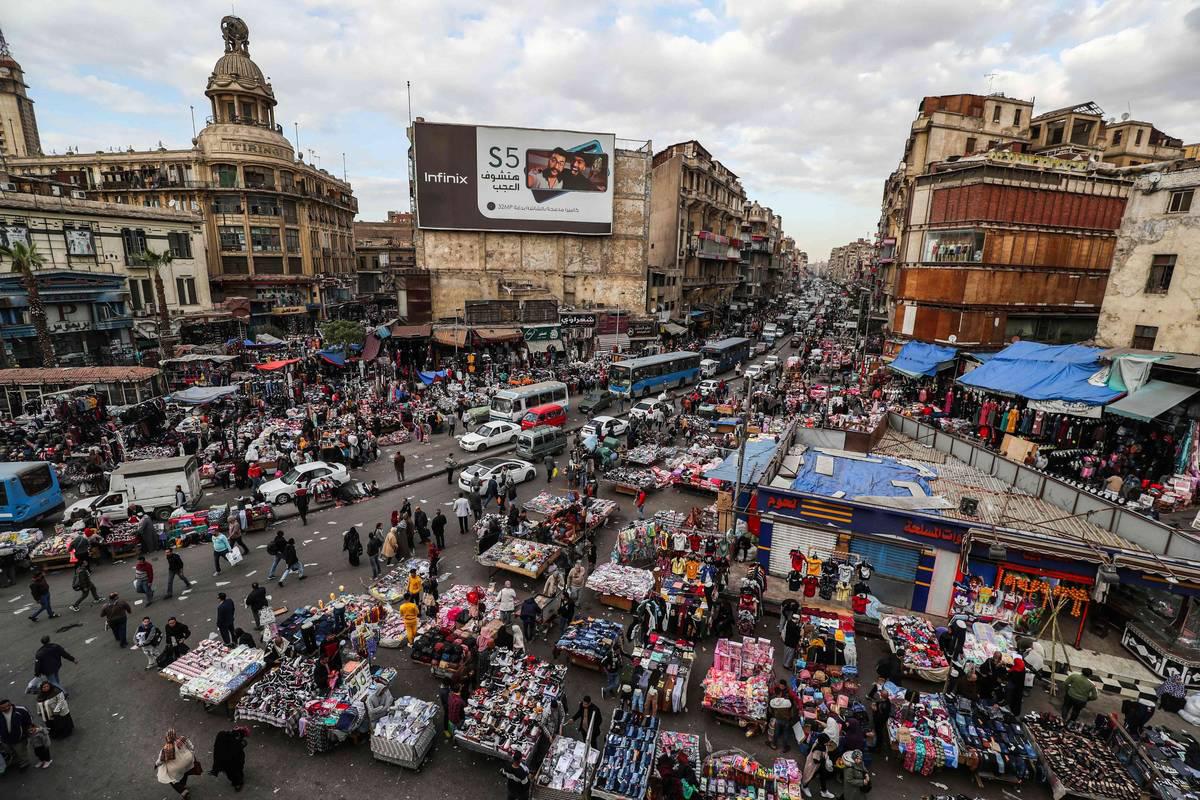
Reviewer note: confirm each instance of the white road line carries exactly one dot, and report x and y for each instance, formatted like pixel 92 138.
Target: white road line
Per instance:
pixel 323 538
pixel 223 583
pixel 22 610
pixel 251 573
pixel 90 640
pixel 261 547
pixel 313 564
pixel 15 599
pixel 305 542
pixel 137 602
pixel 331 522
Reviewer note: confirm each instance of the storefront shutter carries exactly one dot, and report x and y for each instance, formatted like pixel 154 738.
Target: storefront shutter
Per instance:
pixel 889 560
pixel 785 538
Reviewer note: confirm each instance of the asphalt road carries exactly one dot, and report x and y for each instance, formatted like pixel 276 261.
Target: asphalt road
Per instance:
pixel 121 711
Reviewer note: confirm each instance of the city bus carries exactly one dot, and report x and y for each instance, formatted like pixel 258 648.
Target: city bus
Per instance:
pixel 727 352
pixel 638 377
pixel 511 404
pixel 29 491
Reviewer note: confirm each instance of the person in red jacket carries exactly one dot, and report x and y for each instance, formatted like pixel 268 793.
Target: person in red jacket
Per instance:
pixel 640 502
pixel 143 578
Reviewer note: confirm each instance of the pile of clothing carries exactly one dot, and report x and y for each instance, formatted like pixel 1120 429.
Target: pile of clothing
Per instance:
pixel 614 579
pixel 628 754
pixel 923 733
pixel 443 650
pixel 589 638
pixel 915 640
pixel 993 740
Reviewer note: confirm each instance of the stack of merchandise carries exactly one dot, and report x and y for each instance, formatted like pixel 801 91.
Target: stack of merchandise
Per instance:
pixel 643 455
pixel 226 675
pixel 521 556
pixel 446 651
pixel 734 775
pixel 20 543
pixel 624 770
pixel 563 768
pixel 280 697
pixel 687 611
pixel 391 586
pixel 914 640
pixel 149 453
pixel 993 740
pixel 547 503
pixel 454 604
pixel 613 579
pixel 672 743
pixel 789 780
pixel 398 436
pixel 691 474
pixel 737 683
pixel 983 640
pixel 122 538
pixel 924 734
pixel 195 662
pixel 307 628
pixel 599 511
pixel 1167 752
pixel 590 638
pixel 672 659
pixel 631 476
pixel 506 714
pixel 192 528
pixel 1080 760
pixel 258 516
pixel 403 733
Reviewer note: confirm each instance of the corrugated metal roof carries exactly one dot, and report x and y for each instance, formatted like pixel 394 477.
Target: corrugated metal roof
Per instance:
pixel 74 375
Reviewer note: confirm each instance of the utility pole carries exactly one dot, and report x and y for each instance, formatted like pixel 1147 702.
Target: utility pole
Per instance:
pixel 737 486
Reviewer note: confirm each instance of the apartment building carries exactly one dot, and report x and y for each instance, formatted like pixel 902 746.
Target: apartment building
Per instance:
pixel 851 263
pixel 761 261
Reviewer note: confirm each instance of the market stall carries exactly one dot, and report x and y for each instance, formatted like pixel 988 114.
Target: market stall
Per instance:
pixel 686 609
pixel 587 640
pixel 226 678
pixel 1086 761
pixel 515 707
pixel 405 734
pixel 922 731
pixel 914 640
pixel 995 746
pixel 628 759
pixel 391 586
pixel 563 774
pixel 619 586
pixel 279 697
pixel 735 775
pixel 736 686
pixel 520 556
pixel 672 660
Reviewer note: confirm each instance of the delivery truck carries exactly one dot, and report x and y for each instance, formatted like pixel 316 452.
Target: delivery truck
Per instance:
pixel 149 484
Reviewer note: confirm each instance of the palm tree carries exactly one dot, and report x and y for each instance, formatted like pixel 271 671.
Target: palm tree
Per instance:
pixel 25 259
pixel 156 262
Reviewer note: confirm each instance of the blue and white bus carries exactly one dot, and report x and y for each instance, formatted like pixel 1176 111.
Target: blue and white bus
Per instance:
pixel 728 352
pixel 639 377
pixel 29 492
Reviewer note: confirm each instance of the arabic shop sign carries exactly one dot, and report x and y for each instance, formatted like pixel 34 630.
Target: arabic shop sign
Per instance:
pixel 577 320
pixel 541 333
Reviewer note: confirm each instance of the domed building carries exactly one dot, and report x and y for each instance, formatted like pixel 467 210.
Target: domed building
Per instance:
pixel 279 231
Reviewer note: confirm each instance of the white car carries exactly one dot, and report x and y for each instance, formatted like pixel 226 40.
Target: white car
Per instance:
pixel 708 388
pixel 644 408
pixel 754 371
pixel 602 427
pixel 515 468
pixel 771 362
pixel 282 490
pixel 489 434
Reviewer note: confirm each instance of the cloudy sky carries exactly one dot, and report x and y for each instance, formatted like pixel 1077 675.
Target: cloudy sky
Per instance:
pixel 808 101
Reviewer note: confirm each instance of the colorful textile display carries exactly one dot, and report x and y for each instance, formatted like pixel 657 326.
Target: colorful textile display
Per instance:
pixel 229 673
pixel 915 641
pixel 924 734
pixel 521 556
pixel 672 660
pixel 391 586
pixel 589 638
pixel 278 698
pixel 614 579
pixel 624 770
pixel 993 739
pixel 737 684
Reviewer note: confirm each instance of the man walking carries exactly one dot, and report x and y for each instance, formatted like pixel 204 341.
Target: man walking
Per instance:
pixel 421 520
pixel 517 776
pixel 175 570
pixel 225 624
pixel 39 589
pixel 143 579
pixel 439 528
pixel 47 661
pixel 82 583
pixel 548 461
pixel 398 463
pixel 507 602
pixel 292 559
pixel 451 421
pixel 301 501
pixel 16 728
pixel 1079 692
pixel 115 614
pixel 256 601
pixel 476 502
pixel 462 512
pixel 276 548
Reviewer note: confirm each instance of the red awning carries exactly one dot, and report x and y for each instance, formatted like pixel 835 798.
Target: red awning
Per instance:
pixel 270 366
pixel 499 335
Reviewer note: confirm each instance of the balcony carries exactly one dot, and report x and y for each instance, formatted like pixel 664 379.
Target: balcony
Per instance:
pixel 245 121
pixel 150 184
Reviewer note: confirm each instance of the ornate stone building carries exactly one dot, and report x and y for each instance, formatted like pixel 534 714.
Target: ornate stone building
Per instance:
pixel 281 230
pixel 18 124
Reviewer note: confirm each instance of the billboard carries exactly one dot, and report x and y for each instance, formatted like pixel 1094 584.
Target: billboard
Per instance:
pixel 477 178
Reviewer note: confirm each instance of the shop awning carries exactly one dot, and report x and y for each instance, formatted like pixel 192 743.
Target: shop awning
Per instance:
pixel 199 395
pixel 267 339
pixel 758 455
pixel 1152 400
pixel 695 314
pixel 271 366
pixel 338 359
pixel 498 335
pixel 195 357
pixel 674 330
pixel 371 347
pixel 411 331
pixel 451 338
pixel 1044 372
pixel 428 378
pixel 919 359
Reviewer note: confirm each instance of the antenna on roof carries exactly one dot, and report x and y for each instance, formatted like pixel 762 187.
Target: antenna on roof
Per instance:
pixel 991 79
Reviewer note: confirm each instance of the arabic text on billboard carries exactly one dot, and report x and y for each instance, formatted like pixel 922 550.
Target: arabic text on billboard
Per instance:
pixel 513 179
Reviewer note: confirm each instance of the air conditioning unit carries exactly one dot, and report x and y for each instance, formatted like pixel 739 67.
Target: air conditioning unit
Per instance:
pixel 78 195
pixel 8 186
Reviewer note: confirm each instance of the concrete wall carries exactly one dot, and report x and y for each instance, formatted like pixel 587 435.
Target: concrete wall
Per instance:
pixel 577 270
pixel 1147 231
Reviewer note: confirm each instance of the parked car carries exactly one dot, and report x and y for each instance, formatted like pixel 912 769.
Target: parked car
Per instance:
pixel 754 371
pixel 489 434
pixel 282 490
pixel 603 427
pixel 644 408
pixel 771 363
pixel 595 401
pixel 708 388
pixel 515 468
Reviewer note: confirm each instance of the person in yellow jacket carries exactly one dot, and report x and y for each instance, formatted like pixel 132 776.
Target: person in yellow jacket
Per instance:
pixel 414 583
pixel 410 613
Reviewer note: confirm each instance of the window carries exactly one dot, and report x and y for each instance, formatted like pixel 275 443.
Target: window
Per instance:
pixel 134 240
pixel 35 481
pixel 1016 116
pixel 1035 131
pixel 180 244
pixel 1144 336
pixel 227 204
pixel 258 178
pixel 226 175
pixel 1137 138
pixel 80 240
pixel 970 145
pixel 1162 267
pixel 264 239
pixel 996 113
pixel 141 293
pixel 185 290
pixel 233 237
pixel 1117 137
pixel 1181 201
pixel 293 240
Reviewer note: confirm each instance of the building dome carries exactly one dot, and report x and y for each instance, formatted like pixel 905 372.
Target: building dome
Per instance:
pixel 238 67
pixel 235 69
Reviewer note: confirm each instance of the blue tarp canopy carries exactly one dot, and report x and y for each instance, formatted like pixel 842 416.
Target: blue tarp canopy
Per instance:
pixel 334 357
pixel 918 359
pixel 982 358
pixel 758 455
pixel 199 395
pixel 697 313
pixel 858 477
pixel 428 378
pixel 1044 372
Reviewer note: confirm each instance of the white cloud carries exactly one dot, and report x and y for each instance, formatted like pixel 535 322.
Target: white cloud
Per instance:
pixel 809 101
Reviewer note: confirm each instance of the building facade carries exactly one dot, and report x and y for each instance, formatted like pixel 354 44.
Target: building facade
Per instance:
pixel 580 271
pixel 18 123
pixel 697 208
pixel 1150 299
pixel 281 230
pixel 850 264
pixel 1003 245
pixel 761 263
pixel 87 314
